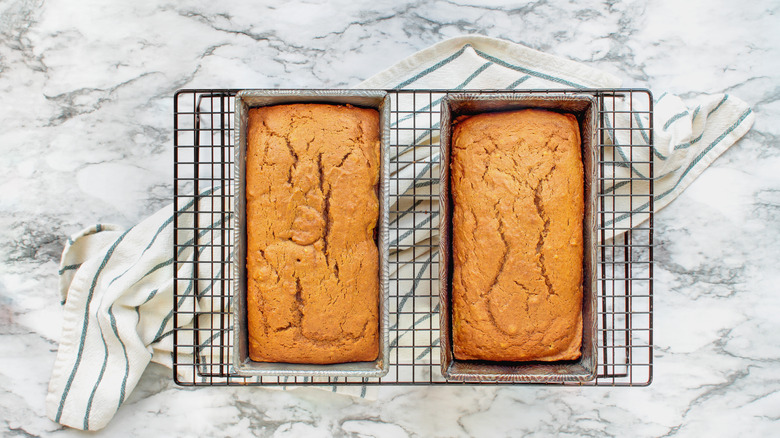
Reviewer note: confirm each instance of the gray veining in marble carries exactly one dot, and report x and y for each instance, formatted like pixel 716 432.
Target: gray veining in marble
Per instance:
pixel 86 119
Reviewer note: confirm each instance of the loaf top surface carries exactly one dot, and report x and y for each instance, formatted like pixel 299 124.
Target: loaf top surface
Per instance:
pixel 517 190
pixel 312 261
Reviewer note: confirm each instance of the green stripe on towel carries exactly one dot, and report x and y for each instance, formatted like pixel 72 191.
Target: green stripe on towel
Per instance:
pixel 124 353
pixel 405 212
pixel 409 232
pixel 717 107
pixel 99 379
pixel 696 112
pixel 528 71
pixel 68 268
pixel 433 68
pixel 514 84
pixel 674 118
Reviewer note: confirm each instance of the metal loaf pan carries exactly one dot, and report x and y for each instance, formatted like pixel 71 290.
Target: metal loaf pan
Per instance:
pixel 376 99
pixel 583 369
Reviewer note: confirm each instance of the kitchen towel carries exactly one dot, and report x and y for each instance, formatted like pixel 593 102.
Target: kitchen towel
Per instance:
pixel 117 286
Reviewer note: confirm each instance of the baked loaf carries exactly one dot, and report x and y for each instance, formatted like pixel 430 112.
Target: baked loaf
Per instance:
pixel 311 209
pixel 517 190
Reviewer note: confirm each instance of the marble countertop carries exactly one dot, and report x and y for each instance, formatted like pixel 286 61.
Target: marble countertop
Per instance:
pixel 86 137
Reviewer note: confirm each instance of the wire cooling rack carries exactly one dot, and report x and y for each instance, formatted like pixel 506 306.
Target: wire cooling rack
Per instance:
pixel 203 159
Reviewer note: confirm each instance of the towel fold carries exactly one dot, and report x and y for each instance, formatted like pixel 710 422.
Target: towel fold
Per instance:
pixel 117 286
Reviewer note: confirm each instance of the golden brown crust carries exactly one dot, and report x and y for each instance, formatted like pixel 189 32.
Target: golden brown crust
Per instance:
pixel 517 190
pixel 312 262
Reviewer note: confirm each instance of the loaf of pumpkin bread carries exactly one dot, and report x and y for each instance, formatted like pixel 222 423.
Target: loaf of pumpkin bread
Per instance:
pixel 311 209
pixel 517 191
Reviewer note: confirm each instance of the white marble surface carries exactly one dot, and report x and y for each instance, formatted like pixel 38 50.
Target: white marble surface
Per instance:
pixel 86 137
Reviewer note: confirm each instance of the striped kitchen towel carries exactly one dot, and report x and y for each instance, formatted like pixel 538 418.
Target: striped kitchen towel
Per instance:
pixel 117 286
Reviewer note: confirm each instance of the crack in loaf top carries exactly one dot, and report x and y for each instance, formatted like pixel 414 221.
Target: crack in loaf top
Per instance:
pixel 312 260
